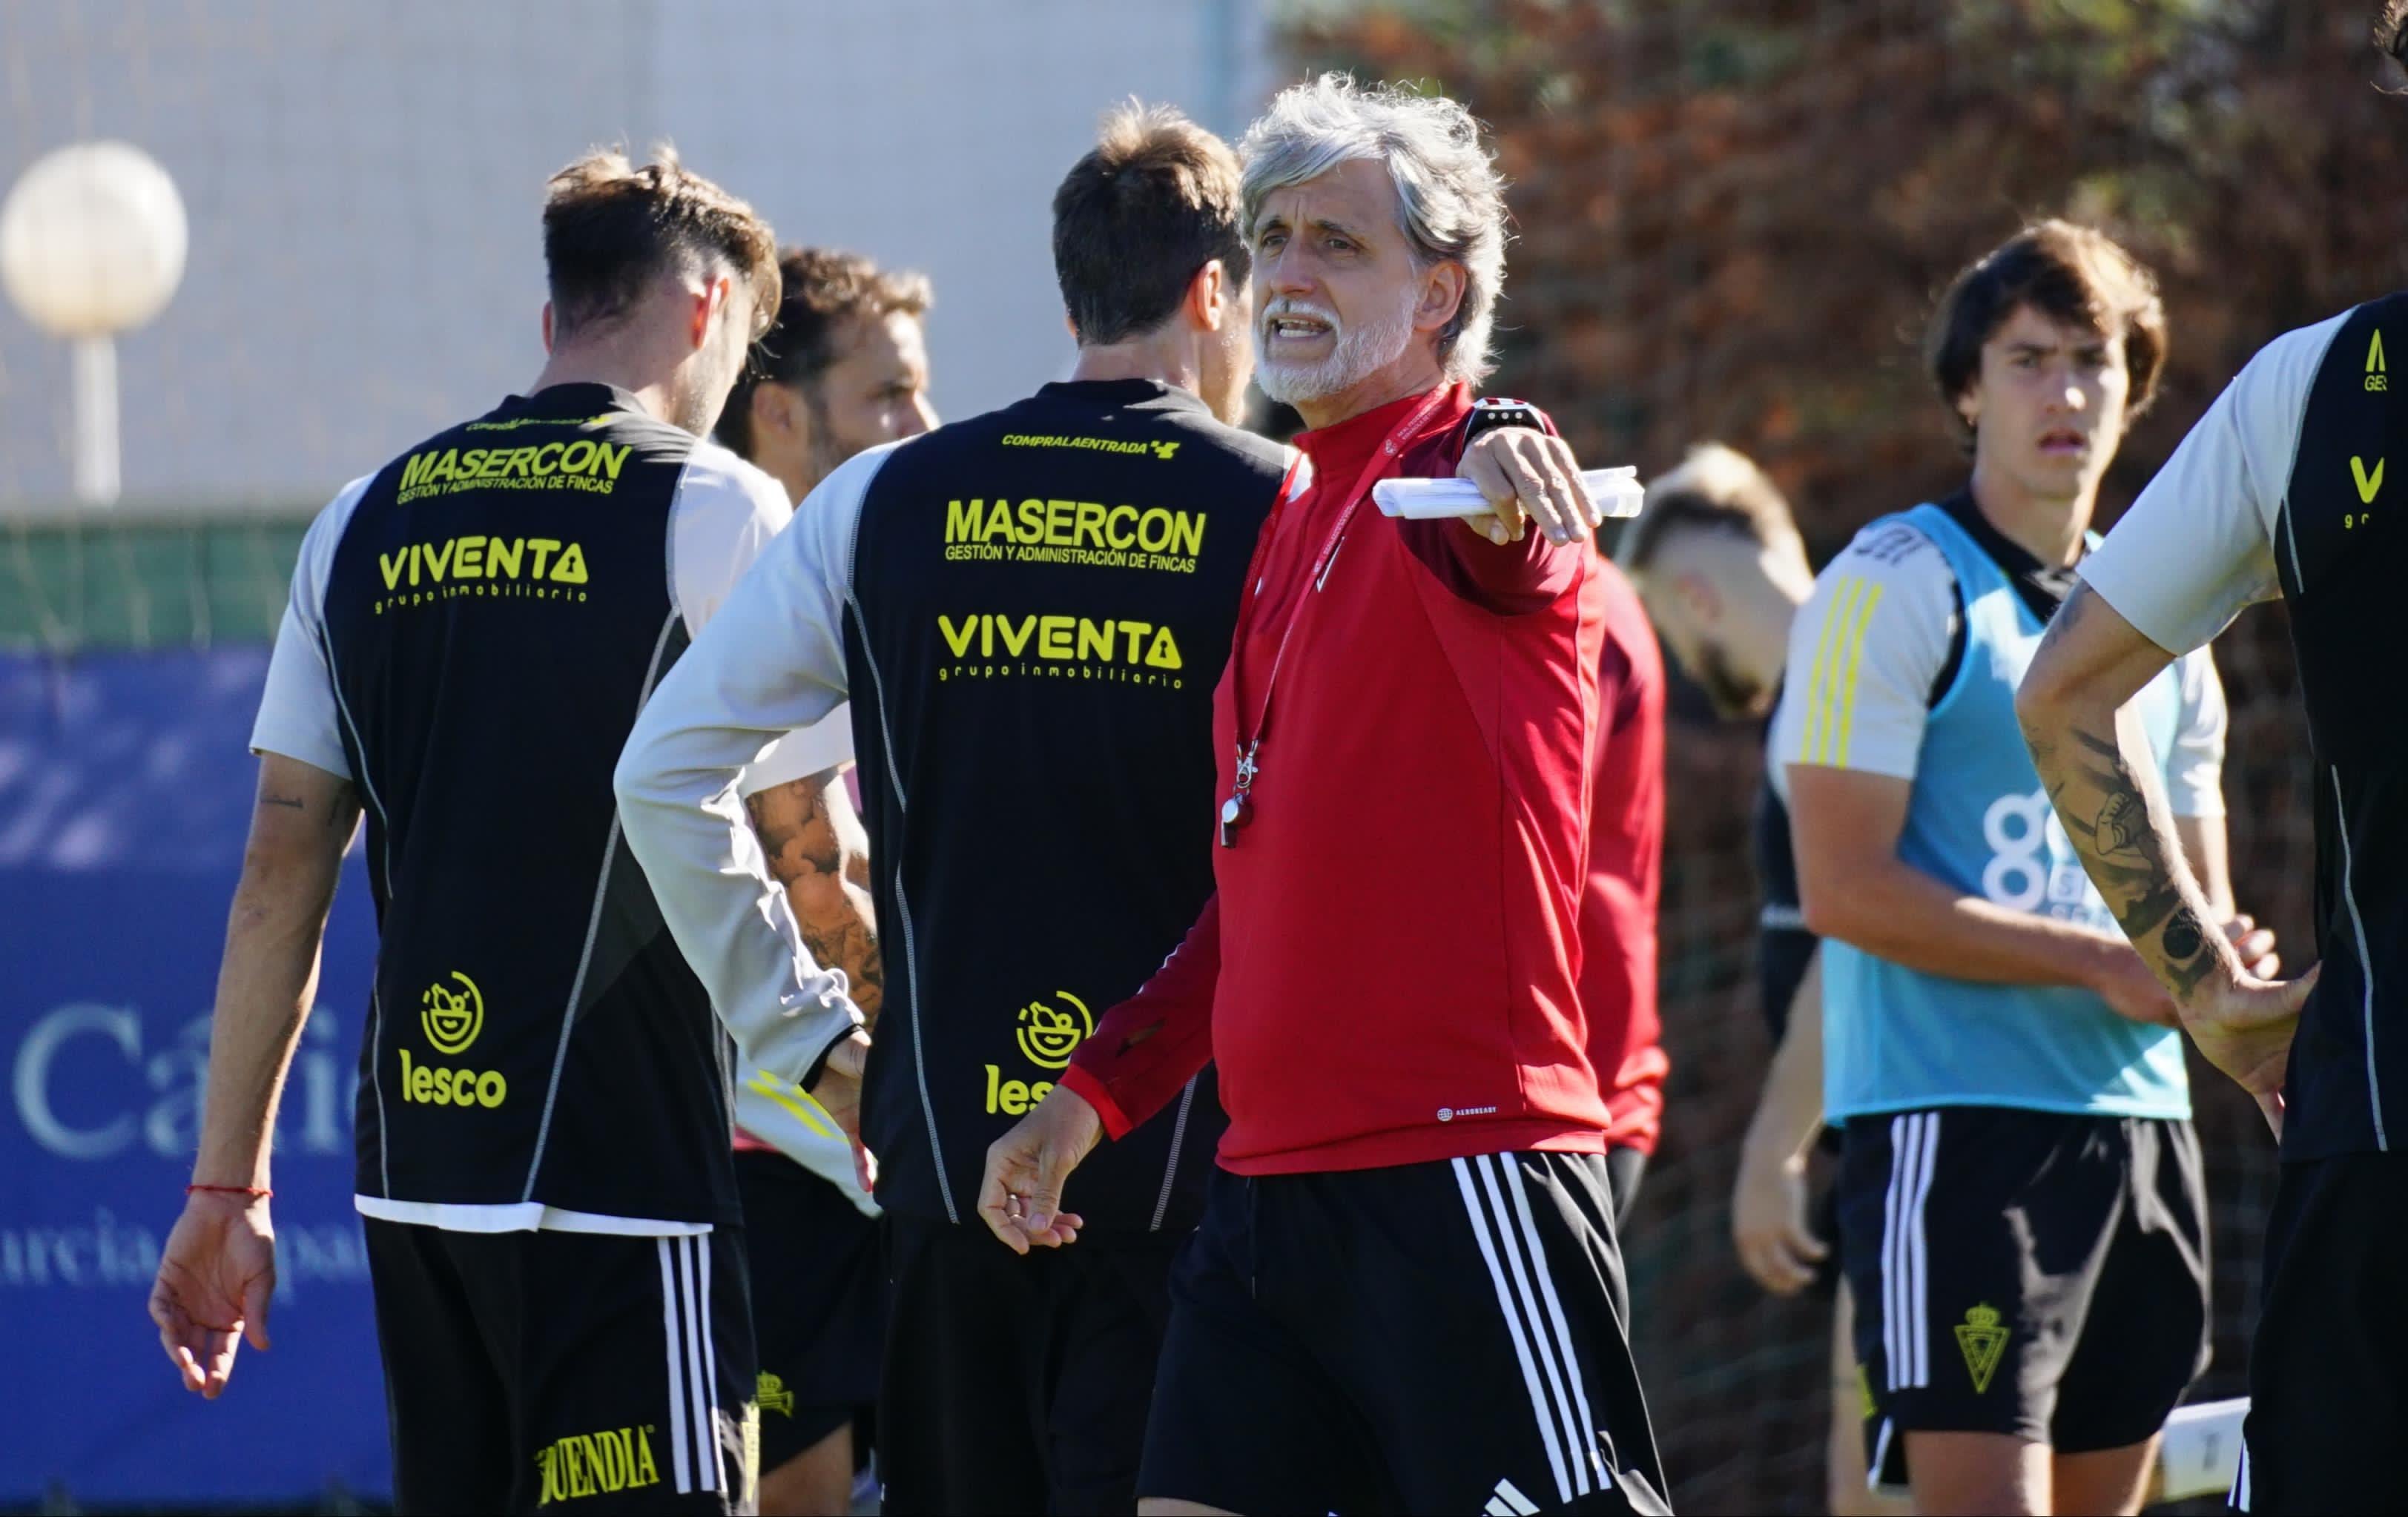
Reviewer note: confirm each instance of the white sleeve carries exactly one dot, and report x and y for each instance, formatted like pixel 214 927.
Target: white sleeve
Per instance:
pixel 1864 652
pixel 824 745
pixel 771 662
pixel 2194 768
pixel 725 512
pixel 782 1114
pixel 297 715
pixel 1776 773
pixel 2199 545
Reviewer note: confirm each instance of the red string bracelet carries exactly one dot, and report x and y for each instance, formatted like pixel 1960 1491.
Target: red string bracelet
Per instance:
pixel 259 1192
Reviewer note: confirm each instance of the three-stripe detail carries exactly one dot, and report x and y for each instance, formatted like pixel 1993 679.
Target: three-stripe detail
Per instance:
pixel 1906 1265
pixel 1501 1224
pixel 1831 684
pixel 695 1458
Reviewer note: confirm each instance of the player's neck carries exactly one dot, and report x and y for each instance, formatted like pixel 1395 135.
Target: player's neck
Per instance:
pixel 583 365
pixel 2049 528
pixel 1166 356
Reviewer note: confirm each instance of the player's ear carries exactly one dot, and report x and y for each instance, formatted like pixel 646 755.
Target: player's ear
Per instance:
pixel 762 406
pixel 713 298
pixel 1968 403
pixel 779 411
pixel 1442 291
pixel 1210 296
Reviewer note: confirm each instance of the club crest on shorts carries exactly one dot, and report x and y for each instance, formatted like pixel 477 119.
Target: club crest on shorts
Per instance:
pixel 771 1392
pixel 1982 1340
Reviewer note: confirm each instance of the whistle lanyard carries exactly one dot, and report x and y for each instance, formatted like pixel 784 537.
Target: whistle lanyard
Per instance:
pixel 1237 811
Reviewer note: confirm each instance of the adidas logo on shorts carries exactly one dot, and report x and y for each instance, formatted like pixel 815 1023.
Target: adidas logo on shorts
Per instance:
pixel 1509 1501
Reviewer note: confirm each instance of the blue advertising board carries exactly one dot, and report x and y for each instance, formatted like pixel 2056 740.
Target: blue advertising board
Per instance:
pixel 126 792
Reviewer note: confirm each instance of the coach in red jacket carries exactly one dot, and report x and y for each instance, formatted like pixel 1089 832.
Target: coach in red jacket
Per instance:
pixel 1402 1293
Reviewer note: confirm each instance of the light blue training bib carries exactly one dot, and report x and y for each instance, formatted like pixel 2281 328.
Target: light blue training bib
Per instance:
pixel 1896 1038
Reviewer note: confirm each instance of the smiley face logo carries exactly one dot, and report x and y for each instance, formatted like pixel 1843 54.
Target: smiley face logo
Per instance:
pixel 1048 1035
pixel 451 1019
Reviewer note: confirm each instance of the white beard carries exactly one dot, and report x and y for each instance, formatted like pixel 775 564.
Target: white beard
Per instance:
pixel 1359 352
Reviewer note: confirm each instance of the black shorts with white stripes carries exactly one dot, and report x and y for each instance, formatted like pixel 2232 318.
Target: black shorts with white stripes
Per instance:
pixel 2037 1274
pixel 818 1303
pixel 586 1371
pixel 1427 1338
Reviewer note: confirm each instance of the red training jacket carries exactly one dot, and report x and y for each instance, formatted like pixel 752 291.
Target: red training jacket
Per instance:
pixel 1626 873
pixel 1389 972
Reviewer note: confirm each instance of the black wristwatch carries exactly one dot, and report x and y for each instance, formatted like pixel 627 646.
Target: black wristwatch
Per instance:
pixel 1490 412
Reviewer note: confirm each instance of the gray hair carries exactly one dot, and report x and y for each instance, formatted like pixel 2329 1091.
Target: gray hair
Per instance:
pixel 1451 200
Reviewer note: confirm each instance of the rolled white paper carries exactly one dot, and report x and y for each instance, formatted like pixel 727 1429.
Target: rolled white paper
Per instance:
pixel 1616 492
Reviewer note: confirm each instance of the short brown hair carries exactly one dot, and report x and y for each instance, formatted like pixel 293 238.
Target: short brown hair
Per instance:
pixel 821 290
pixel 2069 273
pixel 1136 217
pixel 1714 488
pixel 609 227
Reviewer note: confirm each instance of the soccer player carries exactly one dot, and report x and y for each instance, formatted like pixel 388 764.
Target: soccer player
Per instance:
pixel 843 367
pixel 2280 489
pixel 1402 1293
pixel 553 1233
pixel 1717 557
pixel 2021 1206
pixel 1022 601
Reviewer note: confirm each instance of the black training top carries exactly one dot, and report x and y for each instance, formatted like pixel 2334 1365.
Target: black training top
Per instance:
pixel 2342 565
pixel 1029 612
pixel 471 632
pixel 1784 946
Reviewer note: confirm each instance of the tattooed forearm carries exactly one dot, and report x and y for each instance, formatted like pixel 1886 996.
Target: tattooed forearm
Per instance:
pixel 842 939
pixel 2136 866
pixel 804 838
pixel 289 803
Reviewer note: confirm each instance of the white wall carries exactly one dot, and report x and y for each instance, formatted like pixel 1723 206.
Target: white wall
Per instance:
pixel 363 182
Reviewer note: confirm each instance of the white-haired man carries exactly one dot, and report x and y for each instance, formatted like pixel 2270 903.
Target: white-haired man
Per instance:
pixel 1401 1295
pixel 1057 622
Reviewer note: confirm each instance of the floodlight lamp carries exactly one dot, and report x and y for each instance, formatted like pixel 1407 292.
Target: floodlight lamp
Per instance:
pixel 92 241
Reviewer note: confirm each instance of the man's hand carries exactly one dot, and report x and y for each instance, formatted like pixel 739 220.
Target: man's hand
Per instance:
pixel 839 1087
pixel 839 1092
pixel 2255 945
pixel 2131 992
pixel 1769 1222
pixel 2245 1027
pixel 216 1276
pixel 1021 1197
pixel 2134 991
pixel 1528 477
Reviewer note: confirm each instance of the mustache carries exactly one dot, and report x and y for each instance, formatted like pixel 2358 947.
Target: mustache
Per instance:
pixel 1286 305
